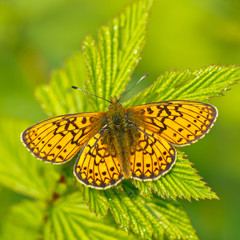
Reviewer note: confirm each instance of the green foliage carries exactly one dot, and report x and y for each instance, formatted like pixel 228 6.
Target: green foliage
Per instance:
pixel 148 217
pixel 145 216
pixel 19 170
pixel 112 60
pixel 24 221
pixel 66 218
pixel 198 85
pixel 56 208
pixel 69 218
pixel 57 97
pixel 182 181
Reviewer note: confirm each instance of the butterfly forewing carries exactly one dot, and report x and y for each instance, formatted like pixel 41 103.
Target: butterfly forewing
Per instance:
pixel 179 122
pixel 98 166
pixel 58 139
pixel 133 142
pixel 151 157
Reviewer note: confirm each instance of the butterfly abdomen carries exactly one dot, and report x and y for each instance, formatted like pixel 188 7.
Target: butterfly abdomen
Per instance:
pixel 123 151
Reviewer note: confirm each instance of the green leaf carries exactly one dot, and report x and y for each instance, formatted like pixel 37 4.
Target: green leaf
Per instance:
pixel 182 182
pixel 58 97
pixel 173 219
pixel 24 221
pixel 96 200
pixel 69 218
pixel 111 61
pixel 19 170
pixel 66 218
pixel 149 218
pixel 198 85
pixel 110 64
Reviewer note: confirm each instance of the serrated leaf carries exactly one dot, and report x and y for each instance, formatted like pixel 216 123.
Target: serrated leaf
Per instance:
pixel 181 182
pixel 96 200
pixel 70 218
pixel 149 218
pixel 110 63
pixel 58 97
pixel 198 85
pixel 174 220
pixel 112 60
pixel 19 170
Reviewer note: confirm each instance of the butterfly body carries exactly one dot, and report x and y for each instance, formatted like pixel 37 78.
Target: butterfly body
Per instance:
pixel 120 135
pixel 136 142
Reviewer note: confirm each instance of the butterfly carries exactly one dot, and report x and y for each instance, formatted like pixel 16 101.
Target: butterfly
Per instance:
pixel 136 142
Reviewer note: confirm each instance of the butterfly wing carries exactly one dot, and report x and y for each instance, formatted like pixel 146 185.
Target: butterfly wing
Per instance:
pixel 151 157
pixel 98 165
pixel 58 139
pixel 179 122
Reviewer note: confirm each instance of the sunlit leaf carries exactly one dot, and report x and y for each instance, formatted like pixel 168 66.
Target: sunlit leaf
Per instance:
pixel 58 97
pixel 182 182
pixel 19 170
pixel 70 218
pixel 138 209
pixel 198 85
pixel 149 217
pixel 96 200
pixel 111 61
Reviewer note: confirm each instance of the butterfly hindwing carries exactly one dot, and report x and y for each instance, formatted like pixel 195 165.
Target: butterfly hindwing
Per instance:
pixel 151 157
pixel 58 139
pixel 179 122
pixel 135 142
pixel 98 166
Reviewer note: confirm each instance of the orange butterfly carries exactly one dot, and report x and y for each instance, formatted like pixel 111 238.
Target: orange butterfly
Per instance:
pixel 136 142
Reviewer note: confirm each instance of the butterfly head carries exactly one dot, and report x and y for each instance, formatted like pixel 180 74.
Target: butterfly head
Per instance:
pixel 116 113
pixel 114 103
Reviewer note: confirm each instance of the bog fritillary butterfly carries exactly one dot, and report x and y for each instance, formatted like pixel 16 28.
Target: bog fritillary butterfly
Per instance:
pixel 136 142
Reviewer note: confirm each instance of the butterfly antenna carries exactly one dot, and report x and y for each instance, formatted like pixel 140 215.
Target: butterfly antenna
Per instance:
pixel 74 87
pixel 124 93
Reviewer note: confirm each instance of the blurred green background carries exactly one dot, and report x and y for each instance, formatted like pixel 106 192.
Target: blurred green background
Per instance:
pixel 37 36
